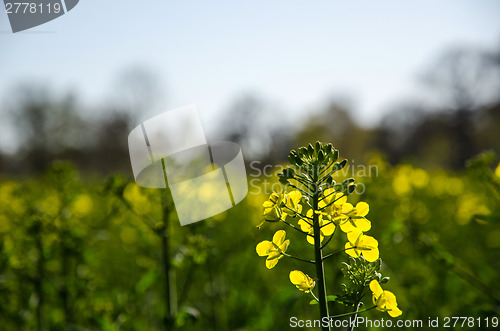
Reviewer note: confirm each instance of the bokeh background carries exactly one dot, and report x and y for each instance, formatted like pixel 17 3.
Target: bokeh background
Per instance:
pixel 410 88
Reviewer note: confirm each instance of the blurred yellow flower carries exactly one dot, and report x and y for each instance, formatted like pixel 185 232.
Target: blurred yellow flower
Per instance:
pixel 353 218
pixel 384 300
pixel 327 227
pixel 360 244
pixel 497 170
pixel 302 281
pixel 82 205
pixel 273 250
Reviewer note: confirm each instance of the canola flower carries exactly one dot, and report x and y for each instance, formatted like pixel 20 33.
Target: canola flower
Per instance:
pixel 273 250
pixel 360 244
pixel 384 300
pixel 301 280
pixel 353 218
pixel 280 205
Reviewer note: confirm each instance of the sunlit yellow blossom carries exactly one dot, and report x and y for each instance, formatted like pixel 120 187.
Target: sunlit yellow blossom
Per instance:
pixel 301 280
pixel 384 300
pixel 273 250
pixel 327 227
pixel 353 218
pixel 280 205
pixel 360 244
pixel 292 202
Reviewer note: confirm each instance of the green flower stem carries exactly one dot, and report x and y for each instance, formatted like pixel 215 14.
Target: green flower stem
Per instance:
pixel 323 304
pixel 328 240
pixel 293 226
pixel 170 293
pixel 315 297
pixel 339 251
pixel 353 313
pixel 170 288
pixel 303 182
pixel 298 258
pixel 357 305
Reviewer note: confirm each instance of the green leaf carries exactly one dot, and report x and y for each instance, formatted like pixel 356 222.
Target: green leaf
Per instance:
pixel 329 298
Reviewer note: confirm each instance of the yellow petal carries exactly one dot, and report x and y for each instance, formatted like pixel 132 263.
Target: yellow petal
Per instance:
pixel 362 208
pixel 271 263
pixel 328 195
pixel 348 225
pixel 264 247
pixel 310 238
pixel 350 251
pixel 347 207
pixel 296 277
pixel 371 255
pixel 353 236
pixel 367 241
pixel 284 247
pixel 279 237
pixel 340 200
pixel 363 224
pixel 309 213
pixel 328 229
pixel 395 312
pixel 304 226
pixel 302 281
pixel 295 196
pixel 376 288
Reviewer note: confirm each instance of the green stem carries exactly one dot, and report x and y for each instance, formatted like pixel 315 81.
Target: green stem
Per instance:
pixel 323 304
pixel 298 258
pixel 339 251
pixel 170 293
pixel 293 226
pixel 353 319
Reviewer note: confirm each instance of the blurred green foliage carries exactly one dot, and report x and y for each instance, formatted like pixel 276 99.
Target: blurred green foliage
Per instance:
pixel 81 255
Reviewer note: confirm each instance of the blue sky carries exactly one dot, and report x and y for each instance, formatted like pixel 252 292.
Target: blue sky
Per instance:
pixel 293 53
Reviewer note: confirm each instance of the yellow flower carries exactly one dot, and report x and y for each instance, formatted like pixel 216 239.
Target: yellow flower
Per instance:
pixel 327 227
pixel 384 300
pixel 273 250
pixel 272 210
pixel 353 218
pixel 302 281
pixel 361 244
pixel 280 205
pixel 292 202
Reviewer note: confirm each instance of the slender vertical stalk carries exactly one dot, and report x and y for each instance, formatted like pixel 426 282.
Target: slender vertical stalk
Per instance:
pixel 353 318
pixel 170 293
pixel 38 281
pixel 323 304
